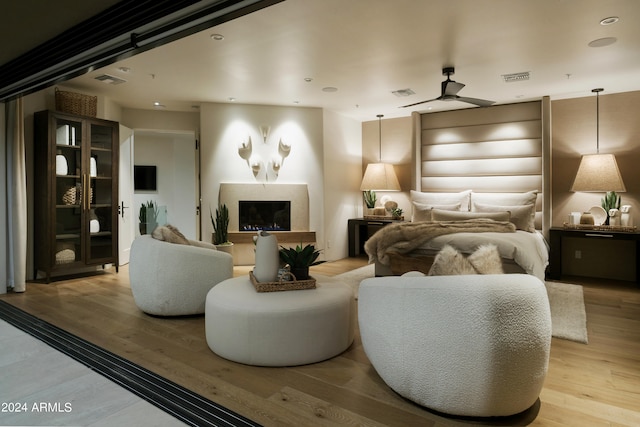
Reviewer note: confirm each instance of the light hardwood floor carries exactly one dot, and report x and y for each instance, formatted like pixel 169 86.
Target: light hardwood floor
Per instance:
pixel 587 385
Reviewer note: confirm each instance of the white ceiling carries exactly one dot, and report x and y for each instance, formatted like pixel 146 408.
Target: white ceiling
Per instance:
pixel 369 48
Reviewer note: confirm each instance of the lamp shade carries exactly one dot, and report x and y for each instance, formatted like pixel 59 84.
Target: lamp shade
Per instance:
pixel 380 176
pixel 598 172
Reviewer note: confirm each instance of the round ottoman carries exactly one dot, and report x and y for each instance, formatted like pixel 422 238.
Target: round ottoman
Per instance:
pixel 285 328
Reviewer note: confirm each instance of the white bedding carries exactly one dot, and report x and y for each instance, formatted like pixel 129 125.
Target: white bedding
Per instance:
pixel 528 250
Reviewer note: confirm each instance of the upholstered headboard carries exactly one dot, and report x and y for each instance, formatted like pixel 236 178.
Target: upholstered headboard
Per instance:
pixel 498 149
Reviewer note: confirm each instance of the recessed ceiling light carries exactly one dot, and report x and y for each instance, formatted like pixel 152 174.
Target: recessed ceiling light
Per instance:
pixel 232 99
pixel 329 89
pixel 606 41
pixel 158 105
pixel 610 20
pixel 308 79
pixel 217 37
pixel 125 70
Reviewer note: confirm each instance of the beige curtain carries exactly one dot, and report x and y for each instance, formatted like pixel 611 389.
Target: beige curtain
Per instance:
pixel 16 197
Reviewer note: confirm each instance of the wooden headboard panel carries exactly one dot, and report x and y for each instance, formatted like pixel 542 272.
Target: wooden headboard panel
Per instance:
pixel 503 148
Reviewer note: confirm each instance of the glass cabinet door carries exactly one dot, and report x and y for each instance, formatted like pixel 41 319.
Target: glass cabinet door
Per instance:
pixel 101 184
pixel 68 191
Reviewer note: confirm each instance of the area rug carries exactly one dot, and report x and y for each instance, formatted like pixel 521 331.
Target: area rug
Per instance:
pixel 568 316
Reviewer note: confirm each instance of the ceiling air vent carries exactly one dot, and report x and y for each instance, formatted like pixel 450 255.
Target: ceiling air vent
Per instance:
pixel 110 80
pixel 403 92
pixel 515 77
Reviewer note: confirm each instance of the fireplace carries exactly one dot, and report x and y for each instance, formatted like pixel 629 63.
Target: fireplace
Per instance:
pixel 254 215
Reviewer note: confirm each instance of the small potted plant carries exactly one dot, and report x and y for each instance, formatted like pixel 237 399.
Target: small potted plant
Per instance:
pixel 369 200
pixel 220 223
pixel 396 213
pixel 299 259
pixel 148 217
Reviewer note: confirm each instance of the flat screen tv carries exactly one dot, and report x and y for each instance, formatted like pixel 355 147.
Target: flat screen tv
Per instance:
pixel 144 178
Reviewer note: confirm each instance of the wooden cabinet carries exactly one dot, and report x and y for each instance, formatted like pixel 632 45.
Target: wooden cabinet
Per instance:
pixel 75 192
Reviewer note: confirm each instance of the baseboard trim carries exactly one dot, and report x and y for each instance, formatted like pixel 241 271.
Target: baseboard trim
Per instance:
pixel 183 404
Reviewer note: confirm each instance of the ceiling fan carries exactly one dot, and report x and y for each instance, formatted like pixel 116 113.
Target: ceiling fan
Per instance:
pixel 450 91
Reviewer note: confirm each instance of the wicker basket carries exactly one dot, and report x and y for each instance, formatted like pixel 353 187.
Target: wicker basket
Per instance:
pixel 282 285
pixel 76 103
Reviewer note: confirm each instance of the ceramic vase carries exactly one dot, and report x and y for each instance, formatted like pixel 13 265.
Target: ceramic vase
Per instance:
pixel 267 257
pixel 61 165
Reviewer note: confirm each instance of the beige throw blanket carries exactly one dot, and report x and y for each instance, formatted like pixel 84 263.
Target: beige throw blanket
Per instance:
pixel 404 237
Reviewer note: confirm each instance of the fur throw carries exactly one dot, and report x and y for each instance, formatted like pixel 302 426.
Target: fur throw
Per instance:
pixel 404 237
pixel 169 233
pixel 485 260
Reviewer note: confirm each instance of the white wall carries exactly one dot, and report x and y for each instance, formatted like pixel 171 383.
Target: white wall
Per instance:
pixel 342 177
pixel 175 158
pixel 224 127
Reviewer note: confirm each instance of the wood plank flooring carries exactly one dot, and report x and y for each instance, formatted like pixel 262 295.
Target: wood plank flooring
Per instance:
pixel 587 385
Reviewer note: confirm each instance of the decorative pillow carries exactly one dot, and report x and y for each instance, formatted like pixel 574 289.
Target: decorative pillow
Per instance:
pixel 422 212
pixel 524 217
pixel 505 199
pixel 463 197
pixel 485 260
pixel 440 215
pixel 169 233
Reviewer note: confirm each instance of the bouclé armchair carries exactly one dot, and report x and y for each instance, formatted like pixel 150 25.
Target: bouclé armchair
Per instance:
pixel 470 345
pixel 169 279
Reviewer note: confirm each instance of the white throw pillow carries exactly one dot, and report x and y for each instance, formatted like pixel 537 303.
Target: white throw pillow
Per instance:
pixel 523 217
pixel 440 215
pixel 433 198
pixel 422 212
pixel 505 199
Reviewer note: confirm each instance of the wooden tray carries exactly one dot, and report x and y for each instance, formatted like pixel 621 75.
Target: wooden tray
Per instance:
pixel 623 228
pixel 282 285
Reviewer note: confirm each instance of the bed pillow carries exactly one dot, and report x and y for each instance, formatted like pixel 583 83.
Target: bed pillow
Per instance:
pixel 523 217
pixel 422 212
pixel 440 215
pixel 505 199
pixel 431 198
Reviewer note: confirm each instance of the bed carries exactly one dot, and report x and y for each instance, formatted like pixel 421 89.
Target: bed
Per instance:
pixel 464 221
pixel 472 164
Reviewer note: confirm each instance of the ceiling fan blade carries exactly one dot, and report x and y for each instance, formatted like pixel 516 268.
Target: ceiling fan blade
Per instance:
pixel 449 87
pixel 476 101
pixel 418 103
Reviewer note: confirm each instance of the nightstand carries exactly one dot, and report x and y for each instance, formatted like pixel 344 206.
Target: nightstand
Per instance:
pixel 360 229
pixel 604 254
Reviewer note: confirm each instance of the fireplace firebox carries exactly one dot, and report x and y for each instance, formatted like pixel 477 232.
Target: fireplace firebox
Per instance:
pixel 255 215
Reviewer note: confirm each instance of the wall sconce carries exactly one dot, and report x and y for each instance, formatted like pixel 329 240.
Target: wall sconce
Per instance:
pixel 598 172
pixel 276 164
pixel 264 131
pixel 245 150
pixel 256 167
pixel 283 149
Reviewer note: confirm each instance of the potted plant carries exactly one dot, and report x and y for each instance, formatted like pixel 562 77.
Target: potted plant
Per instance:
pixel 396 213
pixel 299 259
pixel 148 217
pixel 220 223
pixel 369 200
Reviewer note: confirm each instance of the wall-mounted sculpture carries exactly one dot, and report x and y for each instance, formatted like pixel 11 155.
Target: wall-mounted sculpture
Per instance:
pixel 258 157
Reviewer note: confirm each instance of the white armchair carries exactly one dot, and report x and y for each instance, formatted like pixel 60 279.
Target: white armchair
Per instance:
pixel 473 345
pixel 169 279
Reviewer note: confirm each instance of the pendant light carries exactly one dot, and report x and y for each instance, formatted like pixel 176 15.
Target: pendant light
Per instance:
pixel 598 172
pixel 380 176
